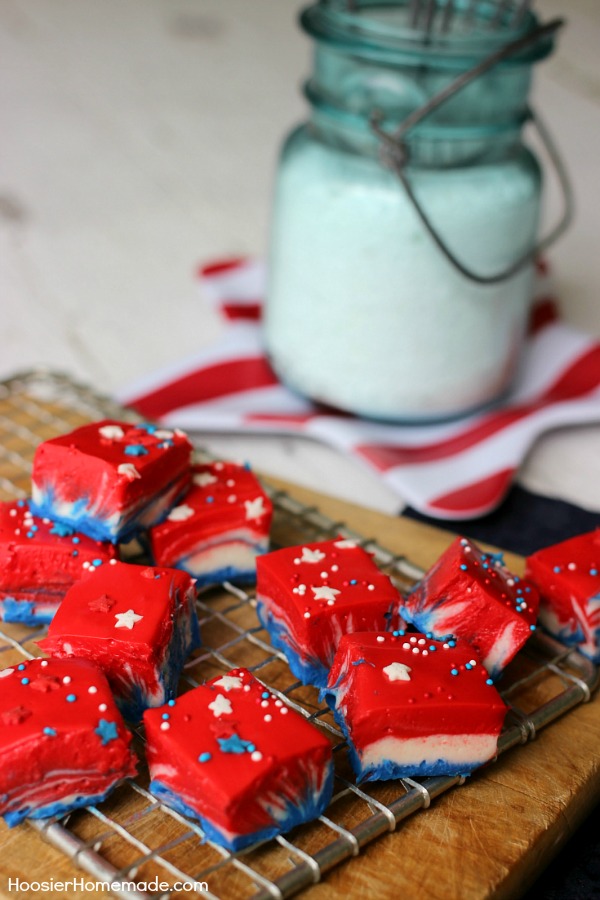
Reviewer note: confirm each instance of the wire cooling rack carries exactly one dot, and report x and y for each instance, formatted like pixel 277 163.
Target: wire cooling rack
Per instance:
pixel 131 840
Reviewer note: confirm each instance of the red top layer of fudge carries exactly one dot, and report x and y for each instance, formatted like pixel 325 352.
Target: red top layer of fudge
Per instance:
pixel 413 686
pixel 224 497
pixel 124 460
pixel 121 604
pixel 48 705
pixel 309 585
pixel 37 553
pixel 226 743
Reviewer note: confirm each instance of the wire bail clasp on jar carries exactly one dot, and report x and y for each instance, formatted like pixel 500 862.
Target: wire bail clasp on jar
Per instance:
pixel 395 155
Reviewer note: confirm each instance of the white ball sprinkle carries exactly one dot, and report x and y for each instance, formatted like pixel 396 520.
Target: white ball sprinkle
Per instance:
pixel 268 718
pixel 67 679
pixel 256 756
pixel 380 639
pixel 164 726
pixel 92 690
pixel 284 710
pixel 103 707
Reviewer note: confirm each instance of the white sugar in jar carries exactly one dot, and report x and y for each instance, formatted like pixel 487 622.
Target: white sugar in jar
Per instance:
pixel 364 310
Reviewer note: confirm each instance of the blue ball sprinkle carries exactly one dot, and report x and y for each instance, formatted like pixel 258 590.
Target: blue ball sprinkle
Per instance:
pixel 75 553
pixel 204 757
pixel 171 703
pixel 250 748
pixel 71 698
pixel 468 666
pixel 20 503
pixel 30 534
pixel 21 667
pixel 488 681
pixel 429 635
pixel 24 680
pixel 463 567
pixel 532 627
pixel 265 695
pixel 210 499
pixel 353 581
pixel 432 647
pixel 166 716
pixel 34 527
pixel 556 569
pixel 76 540
pixel 452 643
pixel 454 671
pixel 593 571
pixel 96 562
pixel 50 732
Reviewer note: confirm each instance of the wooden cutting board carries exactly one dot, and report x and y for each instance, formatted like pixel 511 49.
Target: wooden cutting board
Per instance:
pixel 489 838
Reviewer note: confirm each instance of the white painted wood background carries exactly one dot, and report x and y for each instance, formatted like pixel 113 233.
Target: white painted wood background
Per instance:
pixel 139 137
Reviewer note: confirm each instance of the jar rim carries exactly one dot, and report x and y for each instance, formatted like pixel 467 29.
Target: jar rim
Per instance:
pixel 346 27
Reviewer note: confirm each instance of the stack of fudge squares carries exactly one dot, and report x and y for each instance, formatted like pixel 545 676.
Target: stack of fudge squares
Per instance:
pixel 411 679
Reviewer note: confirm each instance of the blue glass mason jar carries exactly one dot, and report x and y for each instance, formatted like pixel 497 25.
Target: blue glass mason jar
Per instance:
pixel 402 244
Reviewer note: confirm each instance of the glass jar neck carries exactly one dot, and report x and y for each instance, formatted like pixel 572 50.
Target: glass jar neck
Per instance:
pixel 369 61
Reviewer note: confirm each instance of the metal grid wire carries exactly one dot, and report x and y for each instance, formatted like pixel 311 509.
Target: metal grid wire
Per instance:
pixel 131 837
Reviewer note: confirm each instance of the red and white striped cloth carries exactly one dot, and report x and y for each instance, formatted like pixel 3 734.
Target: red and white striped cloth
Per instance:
pixel 456 470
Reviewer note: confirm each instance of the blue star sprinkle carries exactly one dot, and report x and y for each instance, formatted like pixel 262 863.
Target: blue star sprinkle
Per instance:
pixel 136 450
pixel 61 530
pixel 106 731
pixel 235 744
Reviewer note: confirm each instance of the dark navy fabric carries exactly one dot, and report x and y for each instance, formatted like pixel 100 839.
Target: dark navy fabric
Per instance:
pixel 524 523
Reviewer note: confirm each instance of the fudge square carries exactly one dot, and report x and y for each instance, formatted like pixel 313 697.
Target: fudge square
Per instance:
pixel 234 756
pixel 220 527
pixel 138 623
pixel 568 578
pixel 309 596
pixel 472 595
pixel 110 479
pixel 410 705
pixel 39 561
pixel 63 743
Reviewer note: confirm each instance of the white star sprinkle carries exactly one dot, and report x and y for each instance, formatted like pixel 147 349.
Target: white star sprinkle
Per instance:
pixel 127 619
pixel 129 471
pixel 112 432
pixel 324 592
pixel 345 544
pixel 203 479
pixel 397 671
pixel 220 706
pixel 229 682
pixel 163 434
pixel 311 556
pixel 255 508
pixel 180 513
